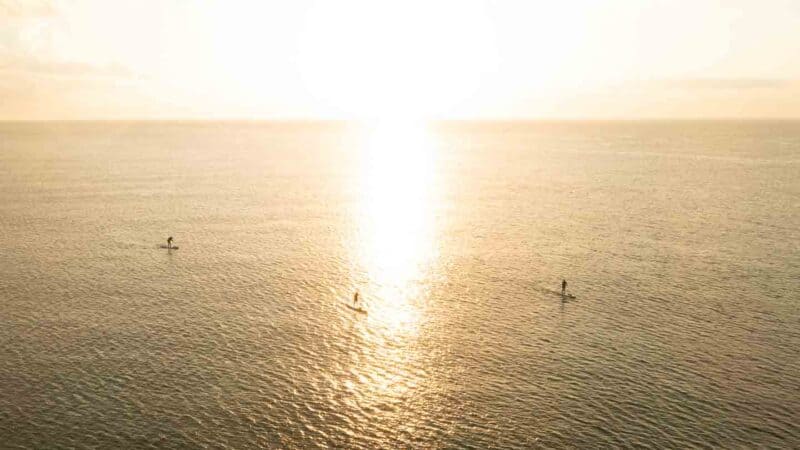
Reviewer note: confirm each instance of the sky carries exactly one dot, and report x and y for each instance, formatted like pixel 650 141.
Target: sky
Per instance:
pixel 368 59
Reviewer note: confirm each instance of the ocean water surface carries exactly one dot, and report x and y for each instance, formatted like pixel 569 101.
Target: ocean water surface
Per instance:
pixel 680 241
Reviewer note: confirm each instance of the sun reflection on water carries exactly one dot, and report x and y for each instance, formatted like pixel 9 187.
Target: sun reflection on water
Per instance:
pixel 396 220
pixel 395 254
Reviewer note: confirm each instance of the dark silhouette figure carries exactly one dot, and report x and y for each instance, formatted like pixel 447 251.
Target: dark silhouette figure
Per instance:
pixel 355 300
pixel 169 242
pixel 563 287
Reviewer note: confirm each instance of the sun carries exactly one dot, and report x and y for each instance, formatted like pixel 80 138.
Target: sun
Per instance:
pixel 395 60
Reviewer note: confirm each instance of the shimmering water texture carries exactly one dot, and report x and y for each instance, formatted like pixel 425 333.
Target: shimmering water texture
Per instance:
pixel 679 240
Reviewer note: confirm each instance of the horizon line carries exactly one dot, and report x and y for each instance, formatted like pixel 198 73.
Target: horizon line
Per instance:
pixel 433 120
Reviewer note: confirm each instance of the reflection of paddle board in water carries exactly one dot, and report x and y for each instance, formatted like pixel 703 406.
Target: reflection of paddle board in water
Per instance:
pixel 357 309
pixel 168 248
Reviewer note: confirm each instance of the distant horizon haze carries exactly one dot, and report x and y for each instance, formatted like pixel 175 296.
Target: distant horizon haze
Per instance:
pixel 375 60
pixel 415 122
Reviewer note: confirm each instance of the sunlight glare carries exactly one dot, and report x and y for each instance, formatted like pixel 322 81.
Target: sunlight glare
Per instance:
pixel 397 215
pixel 376 60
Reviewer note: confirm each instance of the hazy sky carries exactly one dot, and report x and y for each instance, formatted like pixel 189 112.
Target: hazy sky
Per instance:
pixel 83 59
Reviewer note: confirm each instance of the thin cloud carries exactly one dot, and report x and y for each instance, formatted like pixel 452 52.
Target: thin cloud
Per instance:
pixel 32 66
pixel 28 8
pixel 725 83
pixel 27 66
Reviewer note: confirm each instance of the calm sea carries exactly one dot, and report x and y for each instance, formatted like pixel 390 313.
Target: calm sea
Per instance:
pixel 679 240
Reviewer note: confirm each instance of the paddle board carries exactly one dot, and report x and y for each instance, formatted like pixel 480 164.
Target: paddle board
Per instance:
pixel 359 310
pixel 551 291
pixel 168 248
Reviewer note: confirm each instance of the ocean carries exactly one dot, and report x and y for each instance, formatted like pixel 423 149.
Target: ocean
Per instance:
pixel 680 241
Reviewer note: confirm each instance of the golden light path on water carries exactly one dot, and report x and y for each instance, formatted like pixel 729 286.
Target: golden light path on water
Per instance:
pixel 395 253
pixel 397 220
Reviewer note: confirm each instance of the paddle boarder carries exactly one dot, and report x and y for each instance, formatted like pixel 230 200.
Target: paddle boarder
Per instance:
pixel 355 300
pixel 563 287
pixel 169 242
